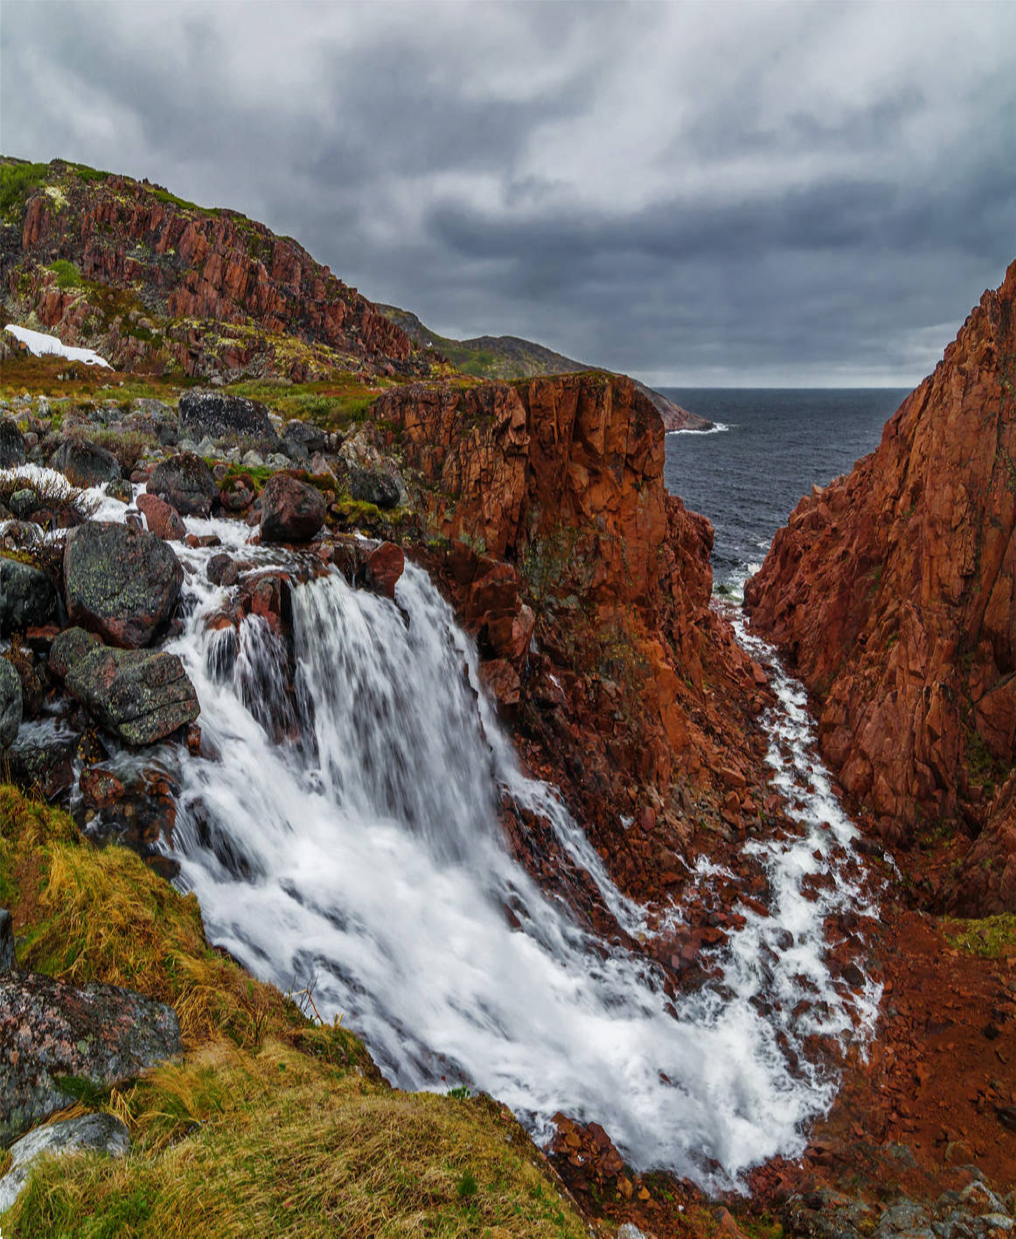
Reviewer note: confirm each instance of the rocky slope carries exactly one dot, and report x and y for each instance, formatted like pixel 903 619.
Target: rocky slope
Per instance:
pixel 152 281
pixel 509 357
pixel 893 591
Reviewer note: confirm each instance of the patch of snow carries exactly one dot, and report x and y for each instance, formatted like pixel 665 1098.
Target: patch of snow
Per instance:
pixel 42 345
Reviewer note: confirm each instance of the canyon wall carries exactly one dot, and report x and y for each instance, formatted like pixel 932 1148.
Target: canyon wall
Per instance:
pixel 893 592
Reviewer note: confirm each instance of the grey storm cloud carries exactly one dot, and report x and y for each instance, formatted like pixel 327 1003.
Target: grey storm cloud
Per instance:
pixel 803 193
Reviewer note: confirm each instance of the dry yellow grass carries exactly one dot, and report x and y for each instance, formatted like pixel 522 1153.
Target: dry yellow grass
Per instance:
pixel 270 1126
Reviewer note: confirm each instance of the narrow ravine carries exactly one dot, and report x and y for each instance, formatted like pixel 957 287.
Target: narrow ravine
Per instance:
pixel 344 839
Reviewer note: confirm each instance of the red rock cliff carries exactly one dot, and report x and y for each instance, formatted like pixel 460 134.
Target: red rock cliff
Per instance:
pixel 894 592
pixel 152 265
pixel 635 698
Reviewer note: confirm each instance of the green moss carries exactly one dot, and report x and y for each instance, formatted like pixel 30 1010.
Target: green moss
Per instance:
pixel 67 274
pixel 17 180
pixel 990 937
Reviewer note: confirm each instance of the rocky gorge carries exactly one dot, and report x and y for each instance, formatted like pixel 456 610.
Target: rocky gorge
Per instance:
pixel 138 513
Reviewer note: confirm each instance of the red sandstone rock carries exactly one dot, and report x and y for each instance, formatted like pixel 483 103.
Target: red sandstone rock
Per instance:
pixel 384 565
pixel 163 519
pixel 894 592
pixel 291 511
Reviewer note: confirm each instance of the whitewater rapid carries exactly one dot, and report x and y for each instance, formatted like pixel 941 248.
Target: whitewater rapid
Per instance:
pixel 343 837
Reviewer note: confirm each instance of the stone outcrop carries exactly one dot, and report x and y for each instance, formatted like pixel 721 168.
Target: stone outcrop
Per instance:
pixel 893 591
pixel 120 583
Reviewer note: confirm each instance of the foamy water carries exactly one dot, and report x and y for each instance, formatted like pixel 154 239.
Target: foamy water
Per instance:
pixel 344 837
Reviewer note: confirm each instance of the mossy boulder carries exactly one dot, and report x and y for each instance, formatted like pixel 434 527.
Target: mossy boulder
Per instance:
pixel 120 582
pixel 141 695
pixel 215 415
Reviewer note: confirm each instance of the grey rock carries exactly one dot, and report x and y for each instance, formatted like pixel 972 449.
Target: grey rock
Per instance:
pixel 84 463
pixel 301 440
pixel 101 1133
pixel 23 502
pixel 213 414
pixel 186 482
pixel 8 960
pixel 141 695
pixel 253 460
pixel 27 596
pixel 50 1030
pixel 148 406
pixel 628 1230
pixel 12 445
pixel 41 759
pixel 11 706
pixel 373 478
pixel 120 582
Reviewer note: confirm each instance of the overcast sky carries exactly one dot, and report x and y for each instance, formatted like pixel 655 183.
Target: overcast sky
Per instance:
pixel 697 194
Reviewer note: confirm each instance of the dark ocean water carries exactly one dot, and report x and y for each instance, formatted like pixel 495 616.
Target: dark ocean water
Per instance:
pixel 775 445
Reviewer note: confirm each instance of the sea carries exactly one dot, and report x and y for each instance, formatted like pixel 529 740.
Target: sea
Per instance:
pixel 769 447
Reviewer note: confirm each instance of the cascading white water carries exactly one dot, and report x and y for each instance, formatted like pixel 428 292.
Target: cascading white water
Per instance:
pixel 361 856
pixel 345 837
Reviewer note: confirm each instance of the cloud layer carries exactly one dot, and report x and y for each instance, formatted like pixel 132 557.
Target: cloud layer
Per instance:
pixel 695 194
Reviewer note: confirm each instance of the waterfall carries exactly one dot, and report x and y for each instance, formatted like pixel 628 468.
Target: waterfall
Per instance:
pixel 342 835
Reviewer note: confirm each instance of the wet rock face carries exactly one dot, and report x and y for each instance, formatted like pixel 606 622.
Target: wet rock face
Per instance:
pixel 50 1030
pixel 27 597
pixel 214 415
pixel 99 1133
pixel 10 703
pixel 894 592
pixel 185 482
pixel 140 695
pixel 119 582
pixel 383 567
pixel 12 445
pixel 291 511
pixel 85 463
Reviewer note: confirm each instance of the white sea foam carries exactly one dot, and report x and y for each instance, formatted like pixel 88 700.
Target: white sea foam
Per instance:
pixel 717 428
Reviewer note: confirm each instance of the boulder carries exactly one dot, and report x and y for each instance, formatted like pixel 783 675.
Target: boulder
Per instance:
pixel 41 759
pixel 10 703
pixel 8 961
pixel 141 695
pixel 291 511
pixel 222 570
pixel 385 564
pixel 237 493
pixel 162 518
pixel 27 597
pixel 186 482
pixel 301 441
pixel 23 502
pixel 373 478
pixel 209 413
pixel 120 582
pixel 12 445
pixel 50 1030
pixel 84 463
pixel 98 1133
